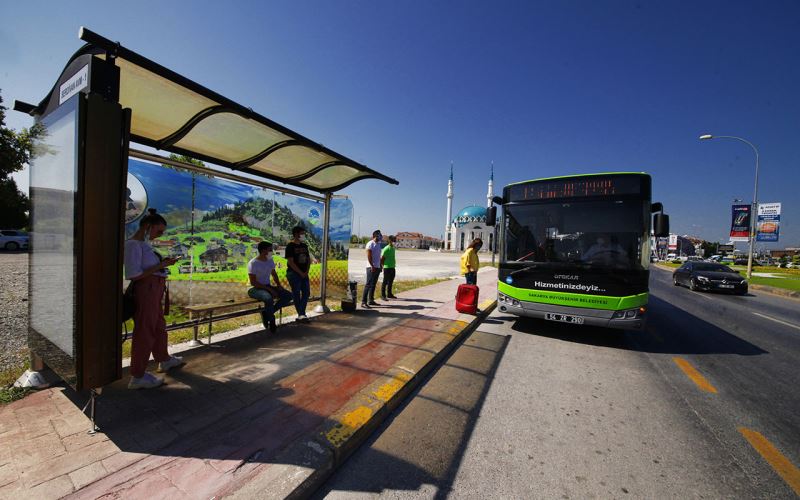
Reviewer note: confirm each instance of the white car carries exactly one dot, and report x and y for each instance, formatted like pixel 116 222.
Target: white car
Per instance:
pixel 11 239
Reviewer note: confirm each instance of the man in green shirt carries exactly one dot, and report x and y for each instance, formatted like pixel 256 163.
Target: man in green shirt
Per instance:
pixel 388 263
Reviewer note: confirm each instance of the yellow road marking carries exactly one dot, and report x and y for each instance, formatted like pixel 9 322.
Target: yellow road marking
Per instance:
pixel 349 424
pixel 386 391
pixel 775 458
pixel 693 374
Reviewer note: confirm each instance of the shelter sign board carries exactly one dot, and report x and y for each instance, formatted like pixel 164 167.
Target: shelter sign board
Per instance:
pixel 740 223
pixel 768 222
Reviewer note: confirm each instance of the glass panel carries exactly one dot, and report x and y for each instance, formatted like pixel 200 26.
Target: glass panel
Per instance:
pixel 159 106
pixel 604 234
pixel 53 188
pixel 230 137
pixel 215 245
pixel 333 176
pixel 341 228
pixel 291 161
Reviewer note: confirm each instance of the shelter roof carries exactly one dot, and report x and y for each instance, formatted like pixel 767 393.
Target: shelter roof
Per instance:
pixel 172 113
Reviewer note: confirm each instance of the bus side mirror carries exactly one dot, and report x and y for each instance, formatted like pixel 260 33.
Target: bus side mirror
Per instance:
pixel 498 200
pixel 491 216
pixel 661 225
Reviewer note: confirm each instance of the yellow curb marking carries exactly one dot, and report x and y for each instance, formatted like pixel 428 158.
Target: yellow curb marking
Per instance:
pixel 694 375
pixel 349 424
pixel 485 304
pixel 775 458
pixel 388 390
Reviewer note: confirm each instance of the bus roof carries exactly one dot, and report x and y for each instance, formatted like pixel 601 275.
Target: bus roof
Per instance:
pixel 578 175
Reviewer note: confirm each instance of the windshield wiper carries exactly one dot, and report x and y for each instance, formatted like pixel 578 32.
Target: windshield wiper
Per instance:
pixel 524 269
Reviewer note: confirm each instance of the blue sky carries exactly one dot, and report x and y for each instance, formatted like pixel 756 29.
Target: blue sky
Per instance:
pixel 540 88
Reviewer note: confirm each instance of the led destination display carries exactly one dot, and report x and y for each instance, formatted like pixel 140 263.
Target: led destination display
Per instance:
pixel 579 187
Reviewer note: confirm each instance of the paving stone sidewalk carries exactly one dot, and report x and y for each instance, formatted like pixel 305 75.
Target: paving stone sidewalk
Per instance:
pixel 255 416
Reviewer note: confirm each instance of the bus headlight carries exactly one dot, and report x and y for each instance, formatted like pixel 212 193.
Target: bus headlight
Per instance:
pixel 629 313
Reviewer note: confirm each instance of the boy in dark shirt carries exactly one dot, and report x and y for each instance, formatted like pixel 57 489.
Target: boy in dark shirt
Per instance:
pixel 299 261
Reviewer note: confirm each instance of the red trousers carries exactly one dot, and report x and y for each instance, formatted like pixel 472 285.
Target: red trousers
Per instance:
pixel 149 326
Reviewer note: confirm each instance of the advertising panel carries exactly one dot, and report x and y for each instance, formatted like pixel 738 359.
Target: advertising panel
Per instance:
pixel 768 223
pixel 673 242
pixel 740 223
pixel 215 225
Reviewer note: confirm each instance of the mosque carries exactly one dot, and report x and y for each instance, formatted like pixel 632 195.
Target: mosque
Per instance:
pixel 469 223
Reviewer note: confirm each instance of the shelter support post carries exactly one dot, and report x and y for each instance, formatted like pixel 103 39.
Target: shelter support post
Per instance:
pixel 323 291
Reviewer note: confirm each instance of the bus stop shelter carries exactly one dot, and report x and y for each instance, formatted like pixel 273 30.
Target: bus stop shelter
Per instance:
pixel 106 98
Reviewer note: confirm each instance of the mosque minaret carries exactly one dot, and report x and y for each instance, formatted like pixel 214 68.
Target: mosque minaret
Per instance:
pixel 470 222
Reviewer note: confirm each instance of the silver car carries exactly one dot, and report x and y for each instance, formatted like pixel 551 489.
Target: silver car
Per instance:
pixel 11 239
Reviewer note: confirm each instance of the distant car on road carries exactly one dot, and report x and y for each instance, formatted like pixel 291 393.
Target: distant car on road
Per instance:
pixel 707 276
pixel 11 239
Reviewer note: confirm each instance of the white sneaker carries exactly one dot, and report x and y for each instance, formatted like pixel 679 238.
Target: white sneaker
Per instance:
pixel 146 381
pixel 303 318
pixel 172 362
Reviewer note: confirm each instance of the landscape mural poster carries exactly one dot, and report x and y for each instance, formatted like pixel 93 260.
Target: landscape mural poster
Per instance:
pixel 215 225
pixel 768 223
pixel 740 223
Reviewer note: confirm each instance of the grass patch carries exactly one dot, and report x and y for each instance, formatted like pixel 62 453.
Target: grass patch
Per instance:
pixel 8 393
pixel 785 283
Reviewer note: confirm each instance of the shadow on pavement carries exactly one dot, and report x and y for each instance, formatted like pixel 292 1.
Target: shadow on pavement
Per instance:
pixel 423 444
pixel 669 330
pixel 238 406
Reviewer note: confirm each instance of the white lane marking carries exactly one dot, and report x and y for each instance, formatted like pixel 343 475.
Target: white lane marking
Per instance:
pixel 704 296
pixel 777 320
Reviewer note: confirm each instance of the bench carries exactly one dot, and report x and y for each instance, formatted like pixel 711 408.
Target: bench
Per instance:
pixel 205 312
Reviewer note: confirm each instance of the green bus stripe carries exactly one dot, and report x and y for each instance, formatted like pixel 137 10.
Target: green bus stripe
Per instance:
pixel 573 299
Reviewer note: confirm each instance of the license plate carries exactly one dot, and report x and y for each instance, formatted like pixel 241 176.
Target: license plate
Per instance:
pixel 564 318
pixel 726 286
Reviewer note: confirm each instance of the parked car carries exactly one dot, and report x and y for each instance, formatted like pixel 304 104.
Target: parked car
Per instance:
pixel 707 276
pixel 11 239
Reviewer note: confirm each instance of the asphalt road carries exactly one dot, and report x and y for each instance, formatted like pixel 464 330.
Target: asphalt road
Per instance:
pixel 530 409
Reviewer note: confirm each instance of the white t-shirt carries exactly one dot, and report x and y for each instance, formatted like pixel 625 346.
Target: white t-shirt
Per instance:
pixel 138 257
pixel 262 269
pixel 376 252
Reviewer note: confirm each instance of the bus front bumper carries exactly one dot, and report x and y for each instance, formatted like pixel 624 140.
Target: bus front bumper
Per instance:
pixel 591 317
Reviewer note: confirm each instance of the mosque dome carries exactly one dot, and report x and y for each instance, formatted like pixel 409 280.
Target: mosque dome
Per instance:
pixel 472 213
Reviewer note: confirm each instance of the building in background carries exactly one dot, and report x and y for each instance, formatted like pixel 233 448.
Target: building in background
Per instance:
pixel 416 240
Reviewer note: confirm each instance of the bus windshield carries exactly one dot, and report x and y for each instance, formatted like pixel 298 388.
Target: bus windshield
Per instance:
pixel 591 234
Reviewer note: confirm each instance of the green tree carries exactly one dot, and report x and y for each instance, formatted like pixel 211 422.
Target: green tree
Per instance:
pixel 16 150
pixel 709 248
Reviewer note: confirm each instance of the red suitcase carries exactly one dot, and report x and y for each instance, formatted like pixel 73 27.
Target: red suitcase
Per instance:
pixel 467 299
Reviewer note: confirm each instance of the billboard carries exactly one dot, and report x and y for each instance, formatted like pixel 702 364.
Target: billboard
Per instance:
pixel 215 225
pixel 740 223
pixel 768 223
pixel 673 242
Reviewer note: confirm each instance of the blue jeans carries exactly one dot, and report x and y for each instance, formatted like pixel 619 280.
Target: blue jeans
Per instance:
pixel 268 314
pixel 472 278
pixel 369 287
pixel 301 289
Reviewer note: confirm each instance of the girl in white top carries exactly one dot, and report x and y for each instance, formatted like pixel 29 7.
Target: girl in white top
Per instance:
pixel 146 271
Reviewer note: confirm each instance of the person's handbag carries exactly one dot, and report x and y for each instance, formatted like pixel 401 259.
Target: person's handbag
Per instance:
pixel 128 303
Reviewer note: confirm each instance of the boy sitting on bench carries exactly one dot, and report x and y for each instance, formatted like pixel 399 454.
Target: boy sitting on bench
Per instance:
pixel 260 269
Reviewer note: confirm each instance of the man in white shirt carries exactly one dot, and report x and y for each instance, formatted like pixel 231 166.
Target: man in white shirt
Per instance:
pixel 373 271
pixel 260 269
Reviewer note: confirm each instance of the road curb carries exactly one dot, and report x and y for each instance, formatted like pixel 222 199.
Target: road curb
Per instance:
pixel 776 291
pixel 306 464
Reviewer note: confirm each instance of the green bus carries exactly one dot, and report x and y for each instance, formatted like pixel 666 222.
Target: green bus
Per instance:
pixel 576 249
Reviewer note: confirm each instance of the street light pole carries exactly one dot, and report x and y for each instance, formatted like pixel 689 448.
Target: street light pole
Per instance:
pixel 754 209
